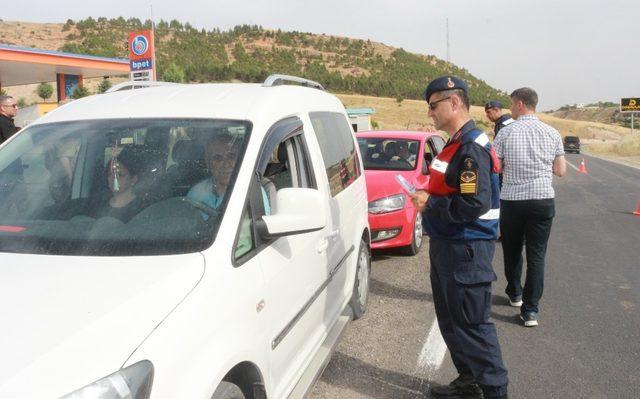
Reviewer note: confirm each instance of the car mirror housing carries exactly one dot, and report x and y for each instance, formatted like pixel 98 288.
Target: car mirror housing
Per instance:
pixel 425 167
pixel 300 210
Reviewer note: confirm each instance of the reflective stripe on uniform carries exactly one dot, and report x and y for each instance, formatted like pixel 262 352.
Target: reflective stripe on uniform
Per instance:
pixel 493 214
pixel 439 165
pixel 482 140
pixel 508 121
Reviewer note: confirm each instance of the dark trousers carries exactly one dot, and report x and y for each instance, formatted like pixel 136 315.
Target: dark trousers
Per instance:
pixel 461 277
pixel 528 220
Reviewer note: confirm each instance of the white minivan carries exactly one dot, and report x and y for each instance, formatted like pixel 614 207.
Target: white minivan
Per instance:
pixel 181 241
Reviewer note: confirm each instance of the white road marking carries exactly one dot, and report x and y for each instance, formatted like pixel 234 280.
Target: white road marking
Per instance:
pixel 574 167
pixel 433 351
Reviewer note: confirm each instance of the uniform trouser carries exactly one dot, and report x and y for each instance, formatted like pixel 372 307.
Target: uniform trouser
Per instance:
pixel 528 220
pixel 461 277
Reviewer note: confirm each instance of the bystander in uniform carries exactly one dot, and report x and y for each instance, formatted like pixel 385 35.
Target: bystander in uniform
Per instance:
pixel 460 214
pixel 531 152
pixel 493 110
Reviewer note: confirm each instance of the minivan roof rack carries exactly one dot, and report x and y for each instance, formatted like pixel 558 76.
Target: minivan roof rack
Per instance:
pixel 138 84
pixel 277 80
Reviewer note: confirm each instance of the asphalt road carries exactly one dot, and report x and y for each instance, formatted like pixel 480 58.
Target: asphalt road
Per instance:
pixel 588 342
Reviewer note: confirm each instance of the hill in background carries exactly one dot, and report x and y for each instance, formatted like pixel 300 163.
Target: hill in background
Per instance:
pixel 368 74
pixel 251 53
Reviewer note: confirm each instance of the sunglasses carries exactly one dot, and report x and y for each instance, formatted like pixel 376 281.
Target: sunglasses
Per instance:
pixel 434 104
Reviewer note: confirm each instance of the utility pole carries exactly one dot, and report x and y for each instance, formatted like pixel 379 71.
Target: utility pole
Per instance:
pixel 153 37
pixel 448 59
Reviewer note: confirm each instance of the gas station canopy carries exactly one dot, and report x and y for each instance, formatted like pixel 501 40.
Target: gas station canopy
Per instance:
pixel 23 65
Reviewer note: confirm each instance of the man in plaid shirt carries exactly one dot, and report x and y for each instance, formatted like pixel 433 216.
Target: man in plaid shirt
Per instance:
pixel 531 152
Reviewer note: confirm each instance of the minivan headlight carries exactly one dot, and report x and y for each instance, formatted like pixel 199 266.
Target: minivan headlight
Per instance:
pixel 133 382
pixel 387 204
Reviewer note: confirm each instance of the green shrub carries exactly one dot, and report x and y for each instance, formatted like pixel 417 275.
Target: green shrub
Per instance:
pixel 79 92
pixel 104 85
pixel 44 91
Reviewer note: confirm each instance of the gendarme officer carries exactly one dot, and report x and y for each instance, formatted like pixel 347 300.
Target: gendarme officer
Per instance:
pixel 493 110
pixel 461 214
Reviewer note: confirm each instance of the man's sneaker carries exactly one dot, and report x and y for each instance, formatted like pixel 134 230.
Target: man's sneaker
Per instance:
pixel 515 301
pixel 463 386
pixel 530 319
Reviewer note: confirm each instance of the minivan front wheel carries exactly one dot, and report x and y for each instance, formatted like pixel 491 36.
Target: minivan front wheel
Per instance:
pixel 227 390
pixel 360 295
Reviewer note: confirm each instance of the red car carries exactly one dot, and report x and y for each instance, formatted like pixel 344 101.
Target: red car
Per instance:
pixel 393 219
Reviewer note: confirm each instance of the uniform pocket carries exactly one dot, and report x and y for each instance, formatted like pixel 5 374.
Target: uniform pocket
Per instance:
pixel 476 296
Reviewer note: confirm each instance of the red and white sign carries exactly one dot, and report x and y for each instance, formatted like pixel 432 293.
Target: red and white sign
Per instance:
pixel 142 55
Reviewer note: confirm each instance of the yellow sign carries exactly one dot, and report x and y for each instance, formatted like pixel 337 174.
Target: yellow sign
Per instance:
pixel 629 104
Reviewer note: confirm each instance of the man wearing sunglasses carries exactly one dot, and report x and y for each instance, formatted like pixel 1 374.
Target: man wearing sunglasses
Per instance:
pixel 8 110
pixel 461 215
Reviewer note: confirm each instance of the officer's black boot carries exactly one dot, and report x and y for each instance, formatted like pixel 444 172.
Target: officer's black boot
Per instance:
pixel 462 387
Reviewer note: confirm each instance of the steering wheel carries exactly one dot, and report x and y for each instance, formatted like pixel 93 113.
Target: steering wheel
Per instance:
pixel 400 159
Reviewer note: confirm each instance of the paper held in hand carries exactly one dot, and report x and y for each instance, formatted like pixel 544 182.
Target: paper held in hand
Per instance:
pixel 406 186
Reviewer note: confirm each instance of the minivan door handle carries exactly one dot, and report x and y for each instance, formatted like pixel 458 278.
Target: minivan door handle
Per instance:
pixel 322 246
pixel 334 234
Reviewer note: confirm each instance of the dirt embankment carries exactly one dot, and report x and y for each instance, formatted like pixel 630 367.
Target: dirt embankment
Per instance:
pixel 26 34
pixel 592 114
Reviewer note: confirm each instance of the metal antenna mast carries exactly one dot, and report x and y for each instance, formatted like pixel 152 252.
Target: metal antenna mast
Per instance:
pixel 153 37
pixel 448 59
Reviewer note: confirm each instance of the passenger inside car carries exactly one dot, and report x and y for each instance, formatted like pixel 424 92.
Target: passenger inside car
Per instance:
pixel 390 150
pixel 123 175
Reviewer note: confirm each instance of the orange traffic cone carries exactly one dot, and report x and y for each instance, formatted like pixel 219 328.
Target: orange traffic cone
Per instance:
pixel 637 211
pixel 582 168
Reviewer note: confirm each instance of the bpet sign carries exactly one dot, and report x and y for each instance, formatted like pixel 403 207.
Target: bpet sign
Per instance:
pixel 142 55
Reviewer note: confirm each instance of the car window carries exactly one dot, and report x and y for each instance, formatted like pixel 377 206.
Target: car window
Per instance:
pixel 432 148
pixel 289 166
pixel 118 187
pixel 438 143
pixel 336 141
pixel 380 153
pixel 245 241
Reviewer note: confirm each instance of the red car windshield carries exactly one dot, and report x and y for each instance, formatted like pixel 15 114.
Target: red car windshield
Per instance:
pixel 380 153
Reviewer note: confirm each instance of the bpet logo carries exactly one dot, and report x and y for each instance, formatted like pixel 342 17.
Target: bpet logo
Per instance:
pixel 140 64
pixel 139 45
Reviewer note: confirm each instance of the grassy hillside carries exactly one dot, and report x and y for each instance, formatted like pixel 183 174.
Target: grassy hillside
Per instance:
pixel 250 53
pixel 369 74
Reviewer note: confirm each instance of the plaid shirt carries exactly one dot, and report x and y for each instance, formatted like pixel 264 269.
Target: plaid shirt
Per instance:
pixel 527 148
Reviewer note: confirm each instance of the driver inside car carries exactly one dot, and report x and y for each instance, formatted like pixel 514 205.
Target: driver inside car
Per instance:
pixel 221 154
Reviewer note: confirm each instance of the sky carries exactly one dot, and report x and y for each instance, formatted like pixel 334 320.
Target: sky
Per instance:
pixel 569 51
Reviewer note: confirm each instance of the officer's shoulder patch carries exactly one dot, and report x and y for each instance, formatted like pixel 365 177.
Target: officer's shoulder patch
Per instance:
pixel 469 177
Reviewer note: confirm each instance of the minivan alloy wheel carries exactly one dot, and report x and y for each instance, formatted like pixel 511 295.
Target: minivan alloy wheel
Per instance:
pixel 360 294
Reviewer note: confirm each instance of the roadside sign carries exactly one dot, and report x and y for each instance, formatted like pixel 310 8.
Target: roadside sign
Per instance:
pixel 141 55
pixel 629 104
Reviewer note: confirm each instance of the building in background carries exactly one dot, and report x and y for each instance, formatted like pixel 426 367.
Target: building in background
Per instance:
pixel 360 118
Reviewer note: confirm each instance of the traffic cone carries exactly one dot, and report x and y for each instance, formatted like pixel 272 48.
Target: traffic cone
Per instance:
pixel 637 211
pixel 582 168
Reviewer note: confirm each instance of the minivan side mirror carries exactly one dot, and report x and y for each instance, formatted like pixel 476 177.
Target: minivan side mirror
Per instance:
pixel 300 210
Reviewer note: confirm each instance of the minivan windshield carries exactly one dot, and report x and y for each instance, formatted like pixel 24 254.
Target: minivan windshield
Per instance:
pixel 118 187
pixel 380 153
